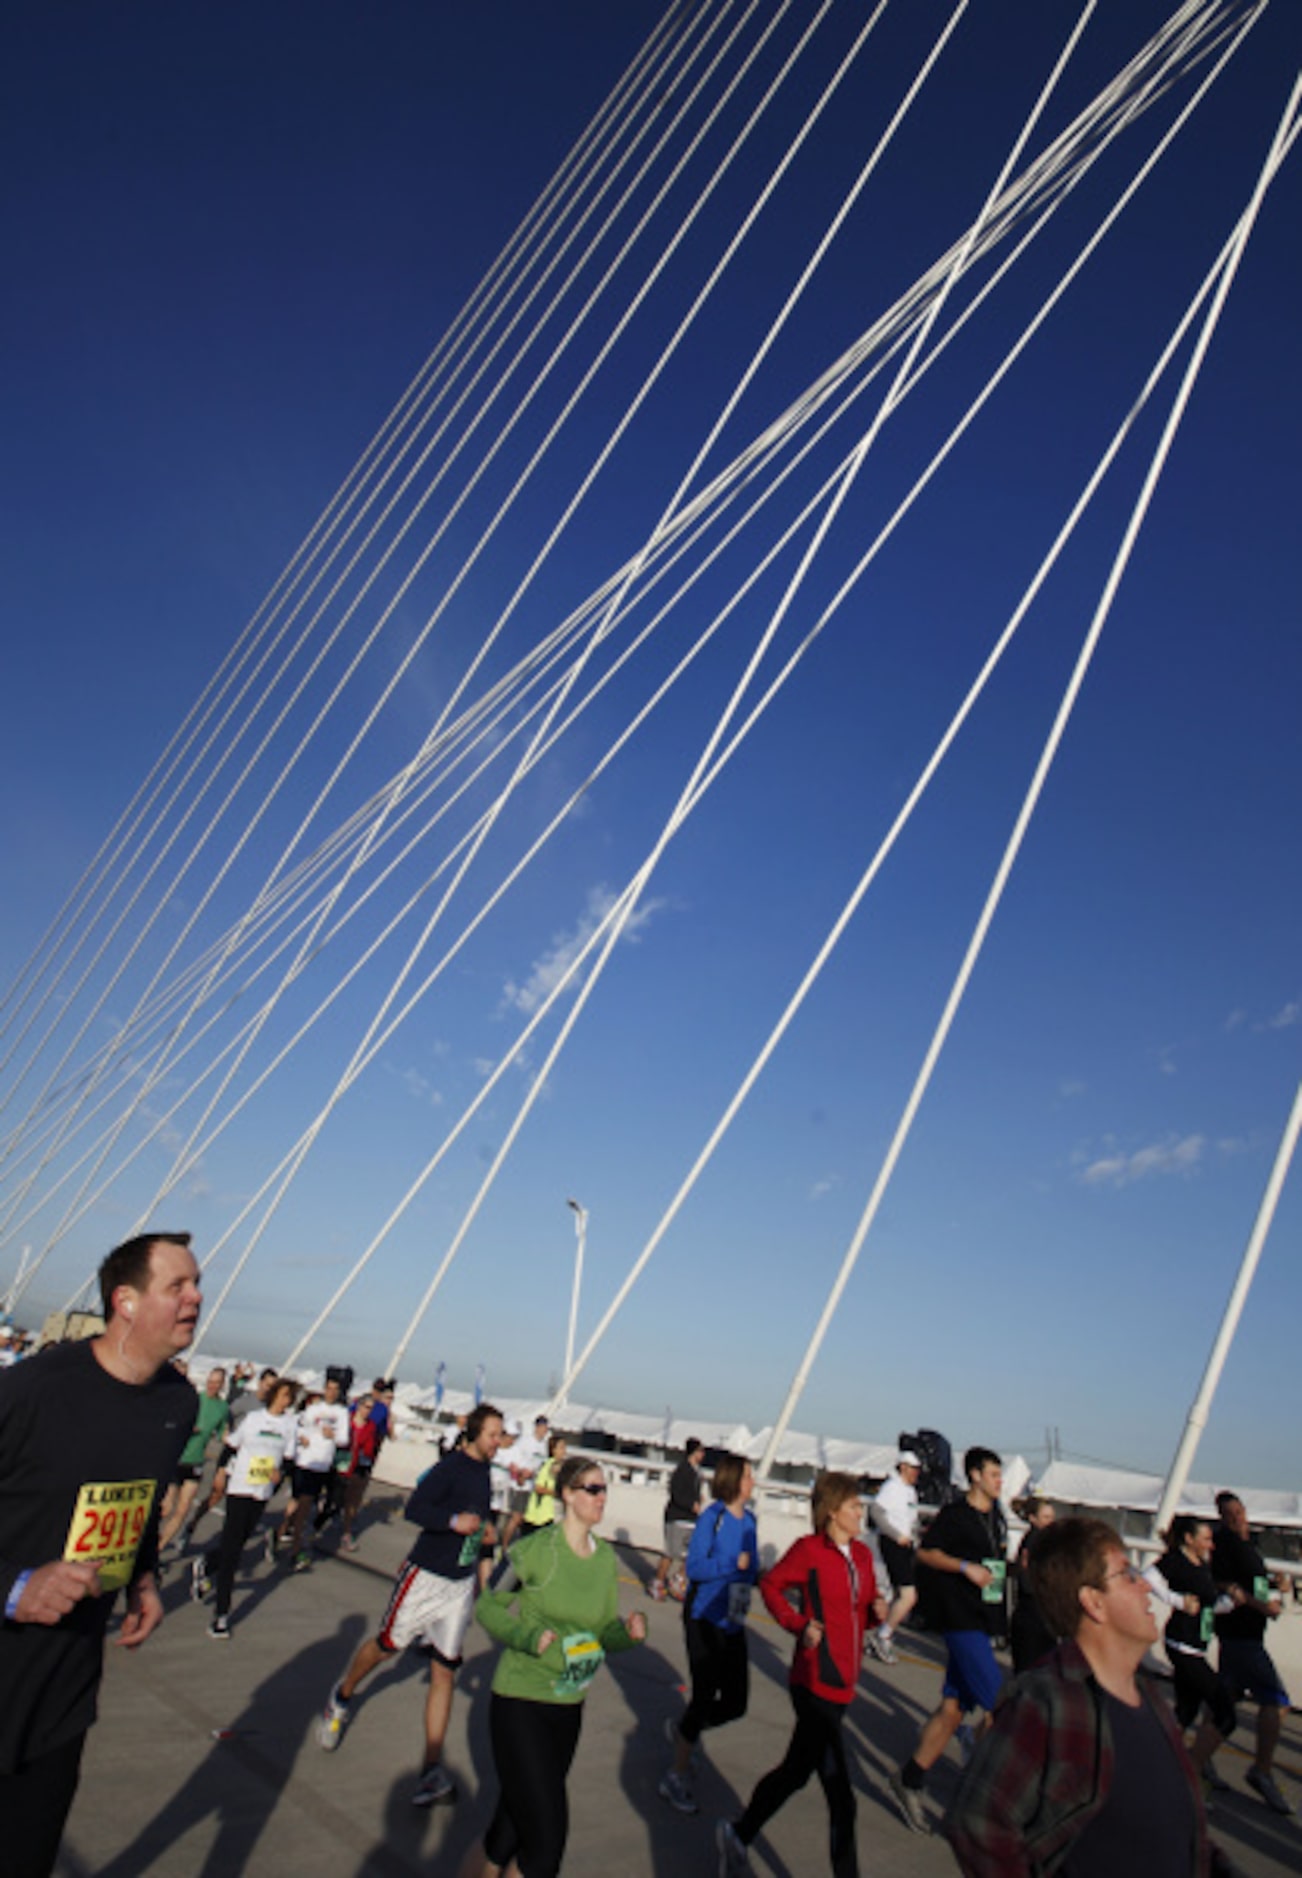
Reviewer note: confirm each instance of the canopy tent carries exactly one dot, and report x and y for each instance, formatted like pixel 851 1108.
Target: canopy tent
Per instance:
pixel 1079 1485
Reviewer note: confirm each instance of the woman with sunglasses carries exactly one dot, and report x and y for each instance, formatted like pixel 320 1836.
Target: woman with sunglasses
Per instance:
pixel 554 1603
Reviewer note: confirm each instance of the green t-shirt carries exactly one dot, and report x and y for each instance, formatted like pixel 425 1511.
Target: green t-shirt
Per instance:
pixel 214 1413
pixel 547 1586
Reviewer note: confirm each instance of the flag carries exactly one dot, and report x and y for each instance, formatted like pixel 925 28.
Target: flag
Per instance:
pixel 479 1383
pixel 439 1376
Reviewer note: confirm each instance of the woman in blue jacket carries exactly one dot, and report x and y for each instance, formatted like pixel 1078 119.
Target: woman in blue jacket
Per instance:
pixel 722 1565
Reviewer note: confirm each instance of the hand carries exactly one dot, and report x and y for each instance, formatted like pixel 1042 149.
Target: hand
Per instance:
pixel 144 1613
pixel 1273 1607
pixel 743 1561
pixel 545 1642
pixel 881 1610
pixel 52 1591
pixel 812 1635
pixel 635 1624
pixel 466 1523
pixel 978 1575
pixel 1238 1595
pixel 1191 1605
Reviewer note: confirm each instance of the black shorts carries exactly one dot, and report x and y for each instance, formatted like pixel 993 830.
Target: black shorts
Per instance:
pixel 307 1483
pixel 183 1471
pixel 900 1562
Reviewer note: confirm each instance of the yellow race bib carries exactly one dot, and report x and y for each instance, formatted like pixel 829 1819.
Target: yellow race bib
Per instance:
pixel 108 1523
pixel 262 1469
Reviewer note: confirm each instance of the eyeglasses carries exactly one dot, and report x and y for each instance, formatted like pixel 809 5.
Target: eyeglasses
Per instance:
pixel 591 1486
pixel 1132 1572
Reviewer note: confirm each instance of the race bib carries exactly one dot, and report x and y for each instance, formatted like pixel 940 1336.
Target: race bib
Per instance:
pixel 1206 1625
pixel 738 1603
pixel 471 1546
pixel 108 1523
pixel 583 1658
pixel 262 1470
pixel 1261 1590
pixel 993 1593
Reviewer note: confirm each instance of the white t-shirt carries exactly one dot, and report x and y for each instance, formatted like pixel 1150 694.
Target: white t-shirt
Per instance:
pixel 321 1429
pixel 895 1510
pixel 526 1457
pixel 262 1445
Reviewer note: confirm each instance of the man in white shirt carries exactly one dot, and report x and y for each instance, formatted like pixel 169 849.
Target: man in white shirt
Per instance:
pixel 323 1429
pixel 526 1457
pixel 895 1517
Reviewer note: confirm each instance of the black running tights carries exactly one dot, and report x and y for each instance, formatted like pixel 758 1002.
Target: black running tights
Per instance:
pixel 817 1747
pixel 242 1515
pixel 720 1677
pixel 533 1745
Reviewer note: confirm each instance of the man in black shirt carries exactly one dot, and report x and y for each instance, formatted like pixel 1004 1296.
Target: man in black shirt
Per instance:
pixel 1246 1668
pixel 681 1508
pixel 90 1434
pixel 963 1565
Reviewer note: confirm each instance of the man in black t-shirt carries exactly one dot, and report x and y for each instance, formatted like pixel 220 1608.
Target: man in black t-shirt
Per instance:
pixel 1246 1668
pixel 963 1566
pixel 90 1435
pixel 686 1496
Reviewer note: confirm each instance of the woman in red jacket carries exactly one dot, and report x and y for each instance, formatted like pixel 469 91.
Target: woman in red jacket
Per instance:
pixel 821 1591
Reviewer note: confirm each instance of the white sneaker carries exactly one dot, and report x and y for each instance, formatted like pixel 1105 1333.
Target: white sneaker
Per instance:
pixel 330 1728
pixel 910 1804
pixel 881 1647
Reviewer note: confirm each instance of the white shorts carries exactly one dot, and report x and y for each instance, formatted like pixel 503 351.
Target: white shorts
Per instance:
pixel 427 1612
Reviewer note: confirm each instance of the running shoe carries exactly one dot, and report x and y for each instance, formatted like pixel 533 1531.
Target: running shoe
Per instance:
pixel 348 1543
pixel 1264 1784
pixel 436 1787
pixel 330 1729
pixel 302 1562
pixel 881 1647
pixel 1214 1780
pixel 220 1630
pixel 199 1582
pixel 657 1591
pixel 673 1737
pixel 679 1795
pixel 734 1859
pixel 910 1804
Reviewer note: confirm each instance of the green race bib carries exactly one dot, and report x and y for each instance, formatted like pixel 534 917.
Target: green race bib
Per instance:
pixel 993 1593
pixel 583 1658
pixel 1261 1590
pixel 470 1548
pixel 1206 1624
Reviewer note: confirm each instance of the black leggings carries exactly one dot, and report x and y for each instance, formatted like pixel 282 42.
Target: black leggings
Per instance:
pixel 720 1676
pixel 817 1747
pixel 1196 1683
pixel 34 1805
pixel 242 1515
pixel 533 1745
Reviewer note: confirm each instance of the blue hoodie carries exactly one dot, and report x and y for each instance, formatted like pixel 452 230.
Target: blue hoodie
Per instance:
pixel 717 1543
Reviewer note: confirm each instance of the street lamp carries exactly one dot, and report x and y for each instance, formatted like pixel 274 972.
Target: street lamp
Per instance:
pixel 580 1233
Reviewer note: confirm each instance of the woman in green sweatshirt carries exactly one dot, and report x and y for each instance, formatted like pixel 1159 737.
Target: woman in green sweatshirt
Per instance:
pixel 554 1603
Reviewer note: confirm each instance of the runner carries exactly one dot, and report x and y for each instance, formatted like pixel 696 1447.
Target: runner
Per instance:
pixel 686 1497
pixel 563 1586
pixel 527 1456
pixel 1182 1579
pixel 214 1413
pixel 965 1557
pixel 541 1510
pixel 1029 1635
pixel 1246 1668
pixel 433 1596
pixel 364 1447
pixel 821 1591
pixel 322 1431
pixel 722 1565
pixel 261 1448
pixel 90 1433
pixel 895 1517
pixel 242 1403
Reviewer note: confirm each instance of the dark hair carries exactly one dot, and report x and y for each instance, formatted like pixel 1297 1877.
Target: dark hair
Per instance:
pixel 1183 1527
pixel 1071 1554
pixel 475 1420
pixel 264 1373
pixel 728 1472
pixel 693 1446
pixel 977 1458
pixel 278 1383
pixel 1226 1498
pixel 128 1264
pixel 571 1471
pixel 831 1490
pixel 554 1442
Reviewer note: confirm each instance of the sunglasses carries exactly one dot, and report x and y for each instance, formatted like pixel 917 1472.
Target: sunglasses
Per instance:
pixel 591 1486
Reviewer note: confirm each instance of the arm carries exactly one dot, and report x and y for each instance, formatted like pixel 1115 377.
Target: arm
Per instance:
pixel 786 1576
pixel 986 1826
pixel 494 1610
pixel 938 1561
pixel 1162 1591
pixel 433 1504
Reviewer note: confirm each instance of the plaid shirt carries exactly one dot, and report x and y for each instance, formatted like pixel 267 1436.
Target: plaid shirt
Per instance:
pixel 1043 1772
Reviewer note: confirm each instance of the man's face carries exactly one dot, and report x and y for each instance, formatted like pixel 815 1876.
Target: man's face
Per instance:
pixel 165 1315
pixel 331 1391
pixel 1236 1518
pixel 1124 1603
pixel 491 1437
pixel 909 1474
pixel 214 1380
pixel 989 1479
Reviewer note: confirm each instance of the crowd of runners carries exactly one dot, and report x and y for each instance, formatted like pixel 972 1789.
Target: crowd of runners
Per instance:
pixel 1076 1764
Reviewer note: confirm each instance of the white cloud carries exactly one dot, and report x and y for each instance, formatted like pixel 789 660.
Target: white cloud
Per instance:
pixel 1287 1015
pixel 1235 1021
pixel 821 1188
pixel 1175 1155
pixel 550 968
pixel 1069 1087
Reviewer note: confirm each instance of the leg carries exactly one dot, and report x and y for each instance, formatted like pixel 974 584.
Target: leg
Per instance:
pixel 937 1733
pixel 533 1746
pixel 34 1803
pixel 369 1656
pixel 1270 1719
pixel 834 1773
pixel 242 1514
pixel 174 1520
pixel 903 1604
pixel 776 1788
pixel 438 1707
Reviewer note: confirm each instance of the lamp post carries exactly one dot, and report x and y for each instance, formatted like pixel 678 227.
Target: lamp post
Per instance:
pixel 580 1233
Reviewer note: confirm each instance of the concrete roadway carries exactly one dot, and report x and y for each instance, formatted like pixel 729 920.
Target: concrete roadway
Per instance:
pixel 205 1764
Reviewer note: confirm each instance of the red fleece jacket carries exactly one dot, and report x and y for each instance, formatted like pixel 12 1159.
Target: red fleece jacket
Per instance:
pixel 816 1580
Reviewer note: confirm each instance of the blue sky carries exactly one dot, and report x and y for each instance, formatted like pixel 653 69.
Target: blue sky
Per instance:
pixel 232 238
